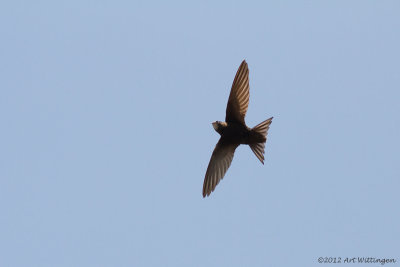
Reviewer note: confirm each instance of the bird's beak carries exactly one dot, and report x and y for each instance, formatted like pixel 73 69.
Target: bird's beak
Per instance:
pixel 215 125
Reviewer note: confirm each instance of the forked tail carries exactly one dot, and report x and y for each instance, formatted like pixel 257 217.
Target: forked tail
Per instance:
pixel 262 130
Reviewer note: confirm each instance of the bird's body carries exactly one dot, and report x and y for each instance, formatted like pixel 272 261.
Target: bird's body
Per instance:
pixel 234 132
pixel 238 133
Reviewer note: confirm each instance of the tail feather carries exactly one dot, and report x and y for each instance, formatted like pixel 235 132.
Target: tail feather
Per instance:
pixel 262 129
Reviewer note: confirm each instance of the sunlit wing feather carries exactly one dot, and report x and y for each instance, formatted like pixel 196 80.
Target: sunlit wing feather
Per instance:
pixel 219 163
pixel 239 97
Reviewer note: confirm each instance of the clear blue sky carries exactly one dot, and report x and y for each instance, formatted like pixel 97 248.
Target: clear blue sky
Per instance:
pixel 106 111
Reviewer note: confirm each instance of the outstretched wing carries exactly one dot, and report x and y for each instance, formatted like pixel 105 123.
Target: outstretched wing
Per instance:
pixel 239 97
pixel 219 163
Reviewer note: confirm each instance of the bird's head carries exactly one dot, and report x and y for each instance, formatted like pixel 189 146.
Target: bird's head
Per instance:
pixel 218 125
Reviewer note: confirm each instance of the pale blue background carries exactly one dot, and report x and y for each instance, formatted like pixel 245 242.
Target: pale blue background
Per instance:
pixel 106 111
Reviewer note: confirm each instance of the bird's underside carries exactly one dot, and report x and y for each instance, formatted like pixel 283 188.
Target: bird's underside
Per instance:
pixel 235 132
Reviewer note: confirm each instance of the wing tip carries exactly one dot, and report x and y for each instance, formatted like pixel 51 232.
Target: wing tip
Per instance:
pixel 204 191
pixel 206 194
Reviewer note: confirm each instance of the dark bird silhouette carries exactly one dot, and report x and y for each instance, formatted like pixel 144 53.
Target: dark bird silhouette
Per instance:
pixel 234 132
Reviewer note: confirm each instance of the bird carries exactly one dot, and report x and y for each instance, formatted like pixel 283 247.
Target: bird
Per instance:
pixel 234 132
